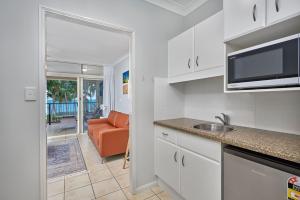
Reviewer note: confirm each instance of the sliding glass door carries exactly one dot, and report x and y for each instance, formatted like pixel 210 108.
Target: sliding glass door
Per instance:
pixel 61 106
pixel 71 102
pixel 91 100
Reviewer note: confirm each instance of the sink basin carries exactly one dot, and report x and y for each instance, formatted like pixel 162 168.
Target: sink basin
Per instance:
pixel 214 127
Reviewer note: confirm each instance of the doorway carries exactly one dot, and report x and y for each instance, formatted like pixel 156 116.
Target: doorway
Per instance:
pixel 88 106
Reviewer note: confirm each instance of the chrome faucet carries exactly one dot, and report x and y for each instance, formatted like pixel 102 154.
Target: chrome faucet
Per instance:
pixel 225 119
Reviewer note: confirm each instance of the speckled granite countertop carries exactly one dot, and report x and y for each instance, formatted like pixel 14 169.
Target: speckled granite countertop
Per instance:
pixel 280 145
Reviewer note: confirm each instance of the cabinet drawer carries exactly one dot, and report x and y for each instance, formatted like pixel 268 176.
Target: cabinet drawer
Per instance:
pixel 205 147
pixel 166 134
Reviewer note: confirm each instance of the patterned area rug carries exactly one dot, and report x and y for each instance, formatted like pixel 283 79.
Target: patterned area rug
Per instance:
pixel 64 157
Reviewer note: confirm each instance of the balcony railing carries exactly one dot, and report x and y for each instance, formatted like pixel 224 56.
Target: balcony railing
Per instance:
pixel 59 110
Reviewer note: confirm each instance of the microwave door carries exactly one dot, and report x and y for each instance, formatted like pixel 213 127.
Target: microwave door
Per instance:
pixel 270 66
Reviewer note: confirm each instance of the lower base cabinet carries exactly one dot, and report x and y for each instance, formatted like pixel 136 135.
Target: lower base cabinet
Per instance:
pixel 167 163
pixel 192 175
pixel 200 177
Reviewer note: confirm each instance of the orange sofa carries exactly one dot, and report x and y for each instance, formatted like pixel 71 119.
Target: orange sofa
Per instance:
pixel 110 135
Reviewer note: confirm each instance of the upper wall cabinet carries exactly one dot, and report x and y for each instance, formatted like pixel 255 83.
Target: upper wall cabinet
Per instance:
pixel 181 53
pixel 278 10
pixel 249 22
pixel 209 46
pixel 198 52
pixel 241 17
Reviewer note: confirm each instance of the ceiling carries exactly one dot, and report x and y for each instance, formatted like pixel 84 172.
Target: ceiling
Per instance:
pixel 74 68
pixel 181 7
pixel 78 43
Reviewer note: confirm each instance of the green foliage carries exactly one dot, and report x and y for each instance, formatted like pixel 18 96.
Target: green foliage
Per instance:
pixel 61 90
pixel 91 89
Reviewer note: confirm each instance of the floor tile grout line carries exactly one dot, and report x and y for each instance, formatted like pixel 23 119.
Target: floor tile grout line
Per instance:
pixel 102 181
pixel 152 196
pixel 88 173
pixel 64 187
pixel 78 188
pixel 87 154
pixel 117 182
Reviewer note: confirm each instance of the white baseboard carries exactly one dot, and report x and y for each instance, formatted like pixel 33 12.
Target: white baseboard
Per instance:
pixel 146 186
pixel 165 187
pixel 173 194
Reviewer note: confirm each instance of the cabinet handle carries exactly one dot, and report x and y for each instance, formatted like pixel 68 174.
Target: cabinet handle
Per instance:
pixel 165 134
pixel 254 12
pixel 189 62
pixel 182 160
pixel 277 5
pixel 197 61
pixel 175 156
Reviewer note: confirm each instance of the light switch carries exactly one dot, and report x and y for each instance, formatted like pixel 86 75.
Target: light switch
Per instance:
pixel 30 93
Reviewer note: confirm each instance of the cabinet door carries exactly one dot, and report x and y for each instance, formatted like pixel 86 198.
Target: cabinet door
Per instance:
pixel 209 45
pixel 242 17
pixel 181 53
pixel 282 9
pixel 200 177
pixel 167 163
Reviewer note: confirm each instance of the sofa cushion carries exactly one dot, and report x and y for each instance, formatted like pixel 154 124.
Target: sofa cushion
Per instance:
pixel 122 120
pixel 112 117
pixel 98 128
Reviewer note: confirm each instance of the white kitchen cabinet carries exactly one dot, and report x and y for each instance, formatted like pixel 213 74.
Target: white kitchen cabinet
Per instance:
pixel 200 177
pixel 242 17
pixel 279 10
pixel 209 46
pixel 197 53
pixel 193 172
pixel 181 53
pixel 167 163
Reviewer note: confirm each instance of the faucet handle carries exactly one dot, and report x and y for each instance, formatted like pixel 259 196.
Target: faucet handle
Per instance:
pixel 226 118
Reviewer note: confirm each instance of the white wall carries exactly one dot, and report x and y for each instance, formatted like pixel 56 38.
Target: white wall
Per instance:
pixel 206 10
pixel 168 99
pixel 19 122
pixel 204 99
pixel 122 101
pixel 278 111
pixel 19 144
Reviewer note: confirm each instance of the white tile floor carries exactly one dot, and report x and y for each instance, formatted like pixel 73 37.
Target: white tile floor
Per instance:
pixel 108 181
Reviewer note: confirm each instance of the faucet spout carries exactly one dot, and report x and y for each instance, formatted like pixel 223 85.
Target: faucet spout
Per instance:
pixel 224 120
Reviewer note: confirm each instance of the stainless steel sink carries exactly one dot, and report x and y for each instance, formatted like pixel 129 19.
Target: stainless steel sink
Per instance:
pixel 214 127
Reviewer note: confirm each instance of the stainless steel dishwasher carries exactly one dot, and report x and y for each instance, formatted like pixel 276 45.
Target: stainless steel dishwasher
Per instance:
pixel 253 176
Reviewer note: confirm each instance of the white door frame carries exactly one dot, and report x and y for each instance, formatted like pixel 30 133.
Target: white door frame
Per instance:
pixel 46 11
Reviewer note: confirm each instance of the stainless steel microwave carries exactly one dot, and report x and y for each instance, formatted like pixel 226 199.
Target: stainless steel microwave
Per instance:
pixel 272 64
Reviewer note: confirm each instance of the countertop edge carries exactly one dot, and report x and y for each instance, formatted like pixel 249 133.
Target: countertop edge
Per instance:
pixel 228 142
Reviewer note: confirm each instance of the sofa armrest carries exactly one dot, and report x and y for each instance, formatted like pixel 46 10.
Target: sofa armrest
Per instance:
pixel 97 121
pixel 114 138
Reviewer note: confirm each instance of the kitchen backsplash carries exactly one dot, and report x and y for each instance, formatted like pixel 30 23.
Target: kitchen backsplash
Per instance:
pixel 277 111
